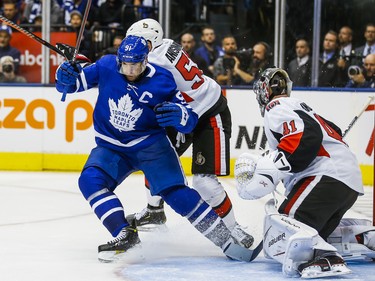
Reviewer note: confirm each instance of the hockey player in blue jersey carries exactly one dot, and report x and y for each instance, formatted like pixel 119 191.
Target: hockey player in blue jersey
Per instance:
pixel 136 101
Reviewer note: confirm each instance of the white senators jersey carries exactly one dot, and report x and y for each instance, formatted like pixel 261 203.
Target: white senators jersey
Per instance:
pixel 200 91
pixel 312 144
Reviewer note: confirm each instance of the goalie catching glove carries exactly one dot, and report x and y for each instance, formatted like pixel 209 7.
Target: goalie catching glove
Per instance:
pixel 258 176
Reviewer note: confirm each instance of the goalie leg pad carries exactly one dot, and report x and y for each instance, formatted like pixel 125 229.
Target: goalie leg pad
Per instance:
pixel 344 238
pixel 291 242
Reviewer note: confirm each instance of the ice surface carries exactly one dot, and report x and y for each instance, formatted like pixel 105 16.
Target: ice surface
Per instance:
pixel 49 233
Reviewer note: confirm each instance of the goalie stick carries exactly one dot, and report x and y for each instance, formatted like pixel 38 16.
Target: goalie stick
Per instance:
pixel 31 35
pixel 357 116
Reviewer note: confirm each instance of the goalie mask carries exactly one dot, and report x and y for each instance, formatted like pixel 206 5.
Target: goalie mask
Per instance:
pixel 149 29
pixel 272 82
pixel 132 56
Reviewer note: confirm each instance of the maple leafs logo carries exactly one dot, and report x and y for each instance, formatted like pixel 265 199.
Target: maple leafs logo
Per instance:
pixel 123 117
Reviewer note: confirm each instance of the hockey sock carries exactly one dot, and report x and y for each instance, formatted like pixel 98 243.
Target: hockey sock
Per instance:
pixel 94 184
pixel 188 203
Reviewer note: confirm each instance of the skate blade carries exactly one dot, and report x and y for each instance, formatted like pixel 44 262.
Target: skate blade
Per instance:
pixel 152 228
pixel 322 274
pixel 114 256
pixel 237 252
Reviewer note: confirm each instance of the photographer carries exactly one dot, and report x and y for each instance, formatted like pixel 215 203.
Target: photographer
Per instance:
pixel 5 48
pixel 228 70
pixel 7 74
pixel 362 77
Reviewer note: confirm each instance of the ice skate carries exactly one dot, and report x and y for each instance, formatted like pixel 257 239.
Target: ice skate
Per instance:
pixel 113 250
pixel 241 237
pixel 324 266
pixel 240 246
pixel 149 219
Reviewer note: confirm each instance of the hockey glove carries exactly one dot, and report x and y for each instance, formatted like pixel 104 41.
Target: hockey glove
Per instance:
pixel 257 177
pixel 174 115
pixel 67 73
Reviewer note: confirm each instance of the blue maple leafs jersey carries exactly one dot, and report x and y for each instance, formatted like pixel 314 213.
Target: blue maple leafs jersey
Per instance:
pixel 124 114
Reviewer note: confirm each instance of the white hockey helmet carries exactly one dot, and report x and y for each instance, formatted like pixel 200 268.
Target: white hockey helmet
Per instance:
pixel 149 29
pixel 272 82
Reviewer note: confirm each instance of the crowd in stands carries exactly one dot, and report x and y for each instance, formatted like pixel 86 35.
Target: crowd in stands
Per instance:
pixel 342 63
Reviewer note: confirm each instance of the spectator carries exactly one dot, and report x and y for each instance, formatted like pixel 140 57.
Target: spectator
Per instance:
pixel 6 49
pixel 366 76
pixel 227 67
pixel 330 75
pixel 346 51
pixel 110 13
pixel 75 25
pixel 7 74
pixel 368 47
pixel 146 8
pixel 299 69
pixel 37 24
pixel 209 51
pixel 115 45
pixel 188 44
pixel 11 12
pixel 261 59
pixel 80 5
pixel 33 11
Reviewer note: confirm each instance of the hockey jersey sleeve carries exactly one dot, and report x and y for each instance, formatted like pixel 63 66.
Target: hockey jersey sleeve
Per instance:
pixel 88 78
pixel 297 134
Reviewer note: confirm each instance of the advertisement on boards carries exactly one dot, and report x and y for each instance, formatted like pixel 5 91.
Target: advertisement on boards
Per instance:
pixel 34 120
pixel 31 54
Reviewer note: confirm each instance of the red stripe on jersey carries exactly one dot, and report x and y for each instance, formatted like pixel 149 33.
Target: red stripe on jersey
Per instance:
pixel 298 194
pixel 187 97
pixel 323 152
pixel 224 208
pixel 224 92
pixel 290 143
pixel 217 145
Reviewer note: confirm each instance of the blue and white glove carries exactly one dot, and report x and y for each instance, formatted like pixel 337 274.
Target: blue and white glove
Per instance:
pixel 174 115
pixel 67 73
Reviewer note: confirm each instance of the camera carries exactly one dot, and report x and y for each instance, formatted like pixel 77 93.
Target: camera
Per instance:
pixel 354 70
pixel 7 68
pixel 245 52
pixel 244 56
pixel 228 63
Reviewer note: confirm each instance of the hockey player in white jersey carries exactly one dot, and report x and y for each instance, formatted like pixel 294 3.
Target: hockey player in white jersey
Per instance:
pixel 136 102
pixel 321 176
pixel 211 136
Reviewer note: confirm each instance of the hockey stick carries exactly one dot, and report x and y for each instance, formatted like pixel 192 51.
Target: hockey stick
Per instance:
pixel 82 29
pixel 79 39
pixel 357 116
pixel 30 35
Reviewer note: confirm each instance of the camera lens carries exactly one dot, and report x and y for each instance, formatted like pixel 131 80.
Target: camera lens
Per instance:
pixel 8 68
pixel 354 70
